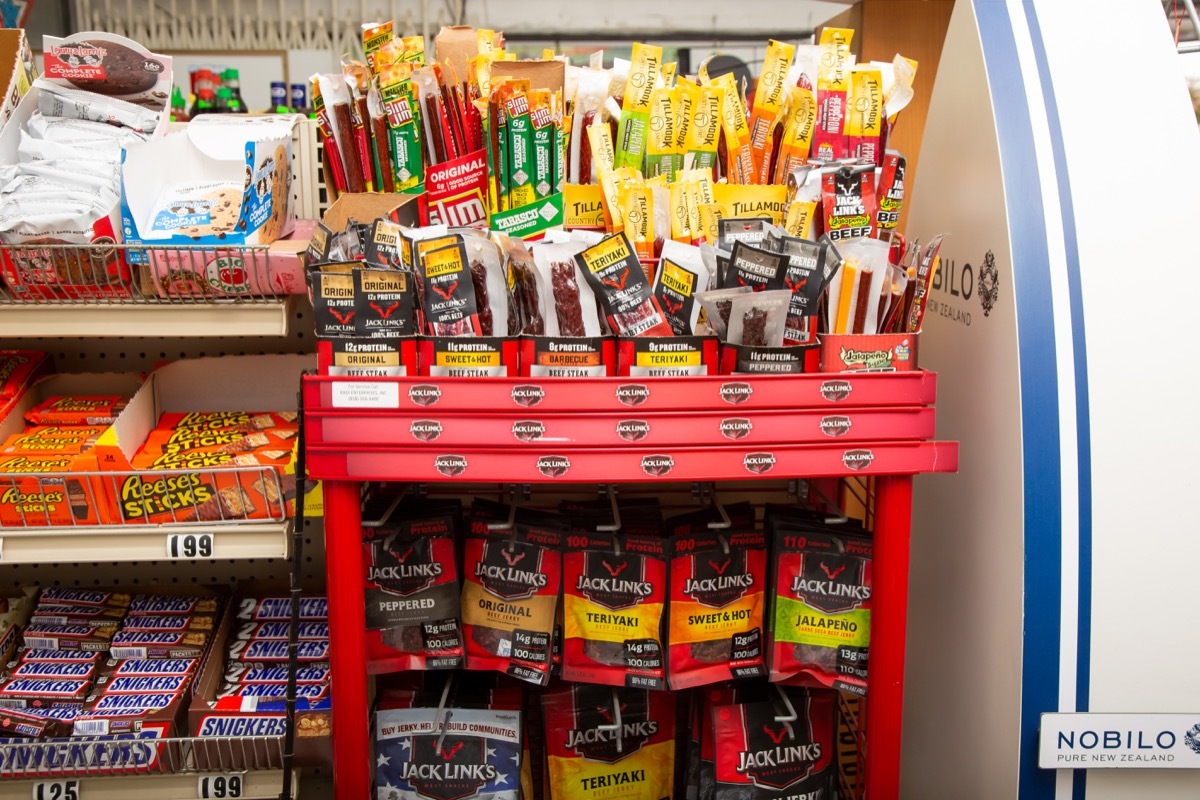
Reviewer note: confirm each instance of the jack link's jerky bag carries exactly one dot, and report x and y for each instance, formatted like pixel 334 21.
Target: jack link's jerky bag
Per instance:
pixel 614 590
pixel 412 589
pixel 763 755
pixel 821 615
pixel 614 272
pixel 590 758
pixel 511 580
pixel 478 759
pixel 718 579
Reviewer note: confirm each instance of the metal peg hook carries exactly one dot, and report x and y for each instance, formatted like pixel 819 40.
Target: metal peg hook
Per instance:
pixel 616 723
pixel 440 723
pixel 798 488
pixel 790 716
pixel 615 525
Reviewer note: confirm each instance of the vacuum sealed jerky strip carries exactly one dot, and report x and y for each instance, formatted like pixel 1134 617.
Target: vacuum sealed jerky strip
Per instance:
pixel 804 277
pixel 591 88
pixel 526 288
pixel 384 302
pixel 782 746
pixel 718 306
pixel 511 583
pixel 681 276
pixel 889 194
pixel 566 296
pixel 614 592
pixel 336 97
pixel 848 195
pixel 758 319
pixel 718 583
pixel 490 284
pixel 755 267
pixel 590 758
pixel 615 274
pixel 331 147
pixel 358 82
pixel 821 614
pixel 412 588
pixel 449 301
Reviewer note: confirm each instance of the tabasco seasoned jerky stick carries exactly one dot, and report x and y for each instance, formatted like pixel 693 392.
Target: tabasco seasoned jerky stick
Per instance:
pixel 404 127
pixel 769 98
pixel 833 82
pixel 520 149
pixel 614 272
pixel 544 140
pixel 635 118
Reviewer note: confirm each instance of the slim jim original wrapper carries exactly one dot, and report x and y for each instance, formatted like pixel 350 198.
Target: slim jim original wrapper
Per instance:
pixel 635 117
pixel 833 83
pixel 769 98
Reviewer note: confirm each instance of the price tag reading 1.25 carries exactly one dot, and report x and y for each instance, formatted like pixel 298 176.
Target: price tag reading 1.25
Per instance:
pixel 189 545
pixel 220 787
pixel 56 790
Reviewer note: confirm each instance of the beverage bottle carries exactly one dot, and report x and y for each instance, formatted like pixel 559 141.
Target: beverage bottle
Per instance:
pixel 279 98
pixel 204 84
pixel 225 101
pixel 231 80
pixel 178 106
pixel 205 103
pixel 300 98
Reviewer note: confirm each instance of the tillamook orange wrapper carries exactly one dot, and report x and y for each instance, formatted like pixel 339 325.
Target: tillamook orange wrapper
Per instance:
pixel 591 757
pixel 614 590
pixel 769 98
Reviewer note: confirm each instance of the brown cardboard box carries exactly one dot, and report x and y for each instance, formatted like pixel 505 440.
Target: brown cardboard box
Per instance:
pixel 17 70
pixel 540 74
pixel 458 44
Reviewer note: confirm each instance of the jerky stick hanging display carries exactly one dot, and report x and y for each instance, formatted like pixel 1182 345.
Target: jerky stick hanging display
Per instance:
pixel 336 100
pixel 358 81
pixel 330 134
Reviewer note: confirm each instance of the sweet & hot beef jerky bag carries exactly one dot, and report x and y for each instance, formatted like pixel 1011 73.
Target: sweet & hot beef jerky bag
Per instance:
pixel 606 743
pixel 779 748
pixel 821 615
pixel 614 590
pixel 511 582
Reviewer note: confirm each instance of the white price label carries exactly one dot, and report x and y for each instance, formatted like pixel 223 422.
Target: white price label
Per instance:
pixel 190 545
pixel 220 786
pixel 56 790
pixel 365 394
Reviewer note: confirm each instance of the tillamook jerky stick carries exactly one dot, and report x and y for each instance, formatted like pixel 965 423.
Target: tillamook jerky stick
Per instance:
pixel 614 590
pixel 613 270
pixel 890 193
pixel 797 133
pixel 762 754
pixel 704 130
pixel 604 743
pixel 864 114
pixel 833 82
pixel 849 201
pixel 821 615
pixel 635 117
pixel 739 167
pixel 637 209
pixel 769 98
pixel 660 149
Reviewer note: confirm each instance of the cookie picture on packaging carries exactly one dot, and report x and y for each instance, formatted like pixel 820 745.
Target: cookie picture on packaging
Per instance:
pixel 112 66
pixel 277 181
pixel 199 211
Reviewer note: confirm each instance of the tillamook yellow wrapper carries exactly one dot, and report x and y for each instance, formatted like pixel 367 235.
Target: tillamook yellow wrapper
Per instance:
pixel 797 132
pixel 753 201
pixel 703 129
pixel 660 152
pixel 769 98
pixel 635 119
pixel 833 83
pixel 740 168
pixel 864 114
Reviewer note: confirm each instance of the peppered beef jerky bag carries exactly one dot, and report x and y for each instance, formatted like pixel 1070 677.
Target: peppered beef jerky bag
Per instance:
pixel 479 758
pixel 615 274
pixel 756 267
pixel 758 319
pixel 821 615
pixel 614 590
pixel 591 758
pixel 412 589
pixel 718 582
pixel 763 755
pixel 718 305
pixel 511 582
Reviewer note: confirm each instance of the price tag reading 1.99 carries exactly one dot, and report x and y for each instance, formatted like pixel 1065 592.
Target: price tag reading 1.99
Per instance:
pixel 220 787
pixel 189 545
pixel 56 790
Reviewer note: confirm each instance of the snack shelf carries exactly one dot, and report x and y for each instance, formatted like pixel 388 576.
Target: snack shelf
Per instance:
pixel 254 786
pixel 172 542
pixel 364 411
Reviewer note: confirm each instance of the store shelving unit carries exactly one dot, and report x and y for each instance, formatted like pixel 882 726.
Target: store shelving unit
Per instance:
pixel 350 426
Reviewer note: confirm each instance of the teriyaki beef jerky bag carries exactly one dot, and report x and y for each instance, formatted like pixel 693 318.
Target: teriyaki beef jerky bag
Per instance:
pixel 511 581
pixel 614 590
pixel 478 758
pixel 619 281
pixel 412 587
pixel 821 616
pixel 605 743
pixel 762 754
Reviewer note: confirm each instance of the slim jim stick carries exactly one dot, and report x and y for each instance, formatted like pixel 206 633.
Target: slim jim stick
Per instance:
pixel 849 284
pixel 862 299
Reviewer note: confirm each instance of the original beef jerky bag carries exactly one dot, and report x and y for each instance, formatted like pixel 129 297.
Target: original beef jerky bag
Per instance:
pixel 412 588
pixel 821 616
pixel 511 581
pixel 779 748
pixel 605 743
pixel 614 590
pixel 478 758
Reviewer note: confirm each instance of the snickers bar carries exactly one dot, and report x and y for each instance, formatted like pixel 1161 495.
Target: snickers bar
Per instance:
pixel 258 673
pixel 111 714
pixel 57 595
pixel 278 631
pixel 32 725
pixel 159 684
pixel 44 691
pixel 140 645
pixel 151 667
pixel 77 615
pixel 262 650
pixel 159 605
pixel 279 609
pixel 274 691
pixel 177 623
pixel 50 669
pixel 41 636
pixel 58 656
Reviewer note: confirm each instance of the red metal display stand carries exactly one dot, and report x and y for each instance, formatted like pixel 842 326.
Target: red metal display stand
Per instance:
pixel 345 417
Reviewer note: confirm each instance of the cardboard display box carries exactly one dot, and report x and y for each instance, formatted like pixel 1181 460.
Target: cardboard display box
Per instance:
pixel 17 70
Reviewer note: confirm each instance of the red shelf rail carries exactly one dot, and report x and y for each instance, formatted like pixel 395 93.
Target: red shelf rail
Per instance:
pixel 362 430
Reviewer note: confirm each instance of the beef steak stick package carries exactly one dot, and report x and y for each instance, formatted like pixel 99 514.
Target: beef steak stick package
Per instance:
pixel 607 743
pixel 718 582
pixel 614 591
pixel 478 758
pixel 821 614
pixel 511 582
pixel 412 587
pixel 775 749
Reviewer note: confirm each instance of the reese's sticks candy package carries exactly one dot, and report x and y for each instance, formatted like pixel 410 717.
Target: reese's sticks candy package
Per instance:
pixel 848 198
pixel 821 615
pixel 605 743
pixel 511 582
pixel 776 748
pixel 614 590
pixel 614 273
pixel 769 98
pixel 833 83
pixel 644 67
pixel 77 410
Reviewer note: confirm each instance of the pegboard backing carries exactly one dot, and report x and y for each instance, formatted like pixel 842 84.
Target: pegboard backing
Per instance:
pixel 210 572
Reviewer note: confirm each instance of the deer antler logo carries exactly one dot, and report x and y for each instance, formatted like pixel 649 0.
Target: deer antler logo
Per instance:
pixel 447 292
pixel 617 570
pixel 720 568
pixel 832 574
pixel 511 558
pixel 385 313
pixel 345 320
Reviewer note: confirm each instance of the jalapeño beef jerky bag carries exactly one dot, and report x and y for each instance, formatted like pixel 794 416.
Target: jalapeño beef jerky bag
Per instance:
pixel 763 755
pixel 591 759
pixel 821 615
pixel 615 274
pixel 412 589
pixel 614 589
pixel 479 756
pixel 511 581
pixel 718 579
